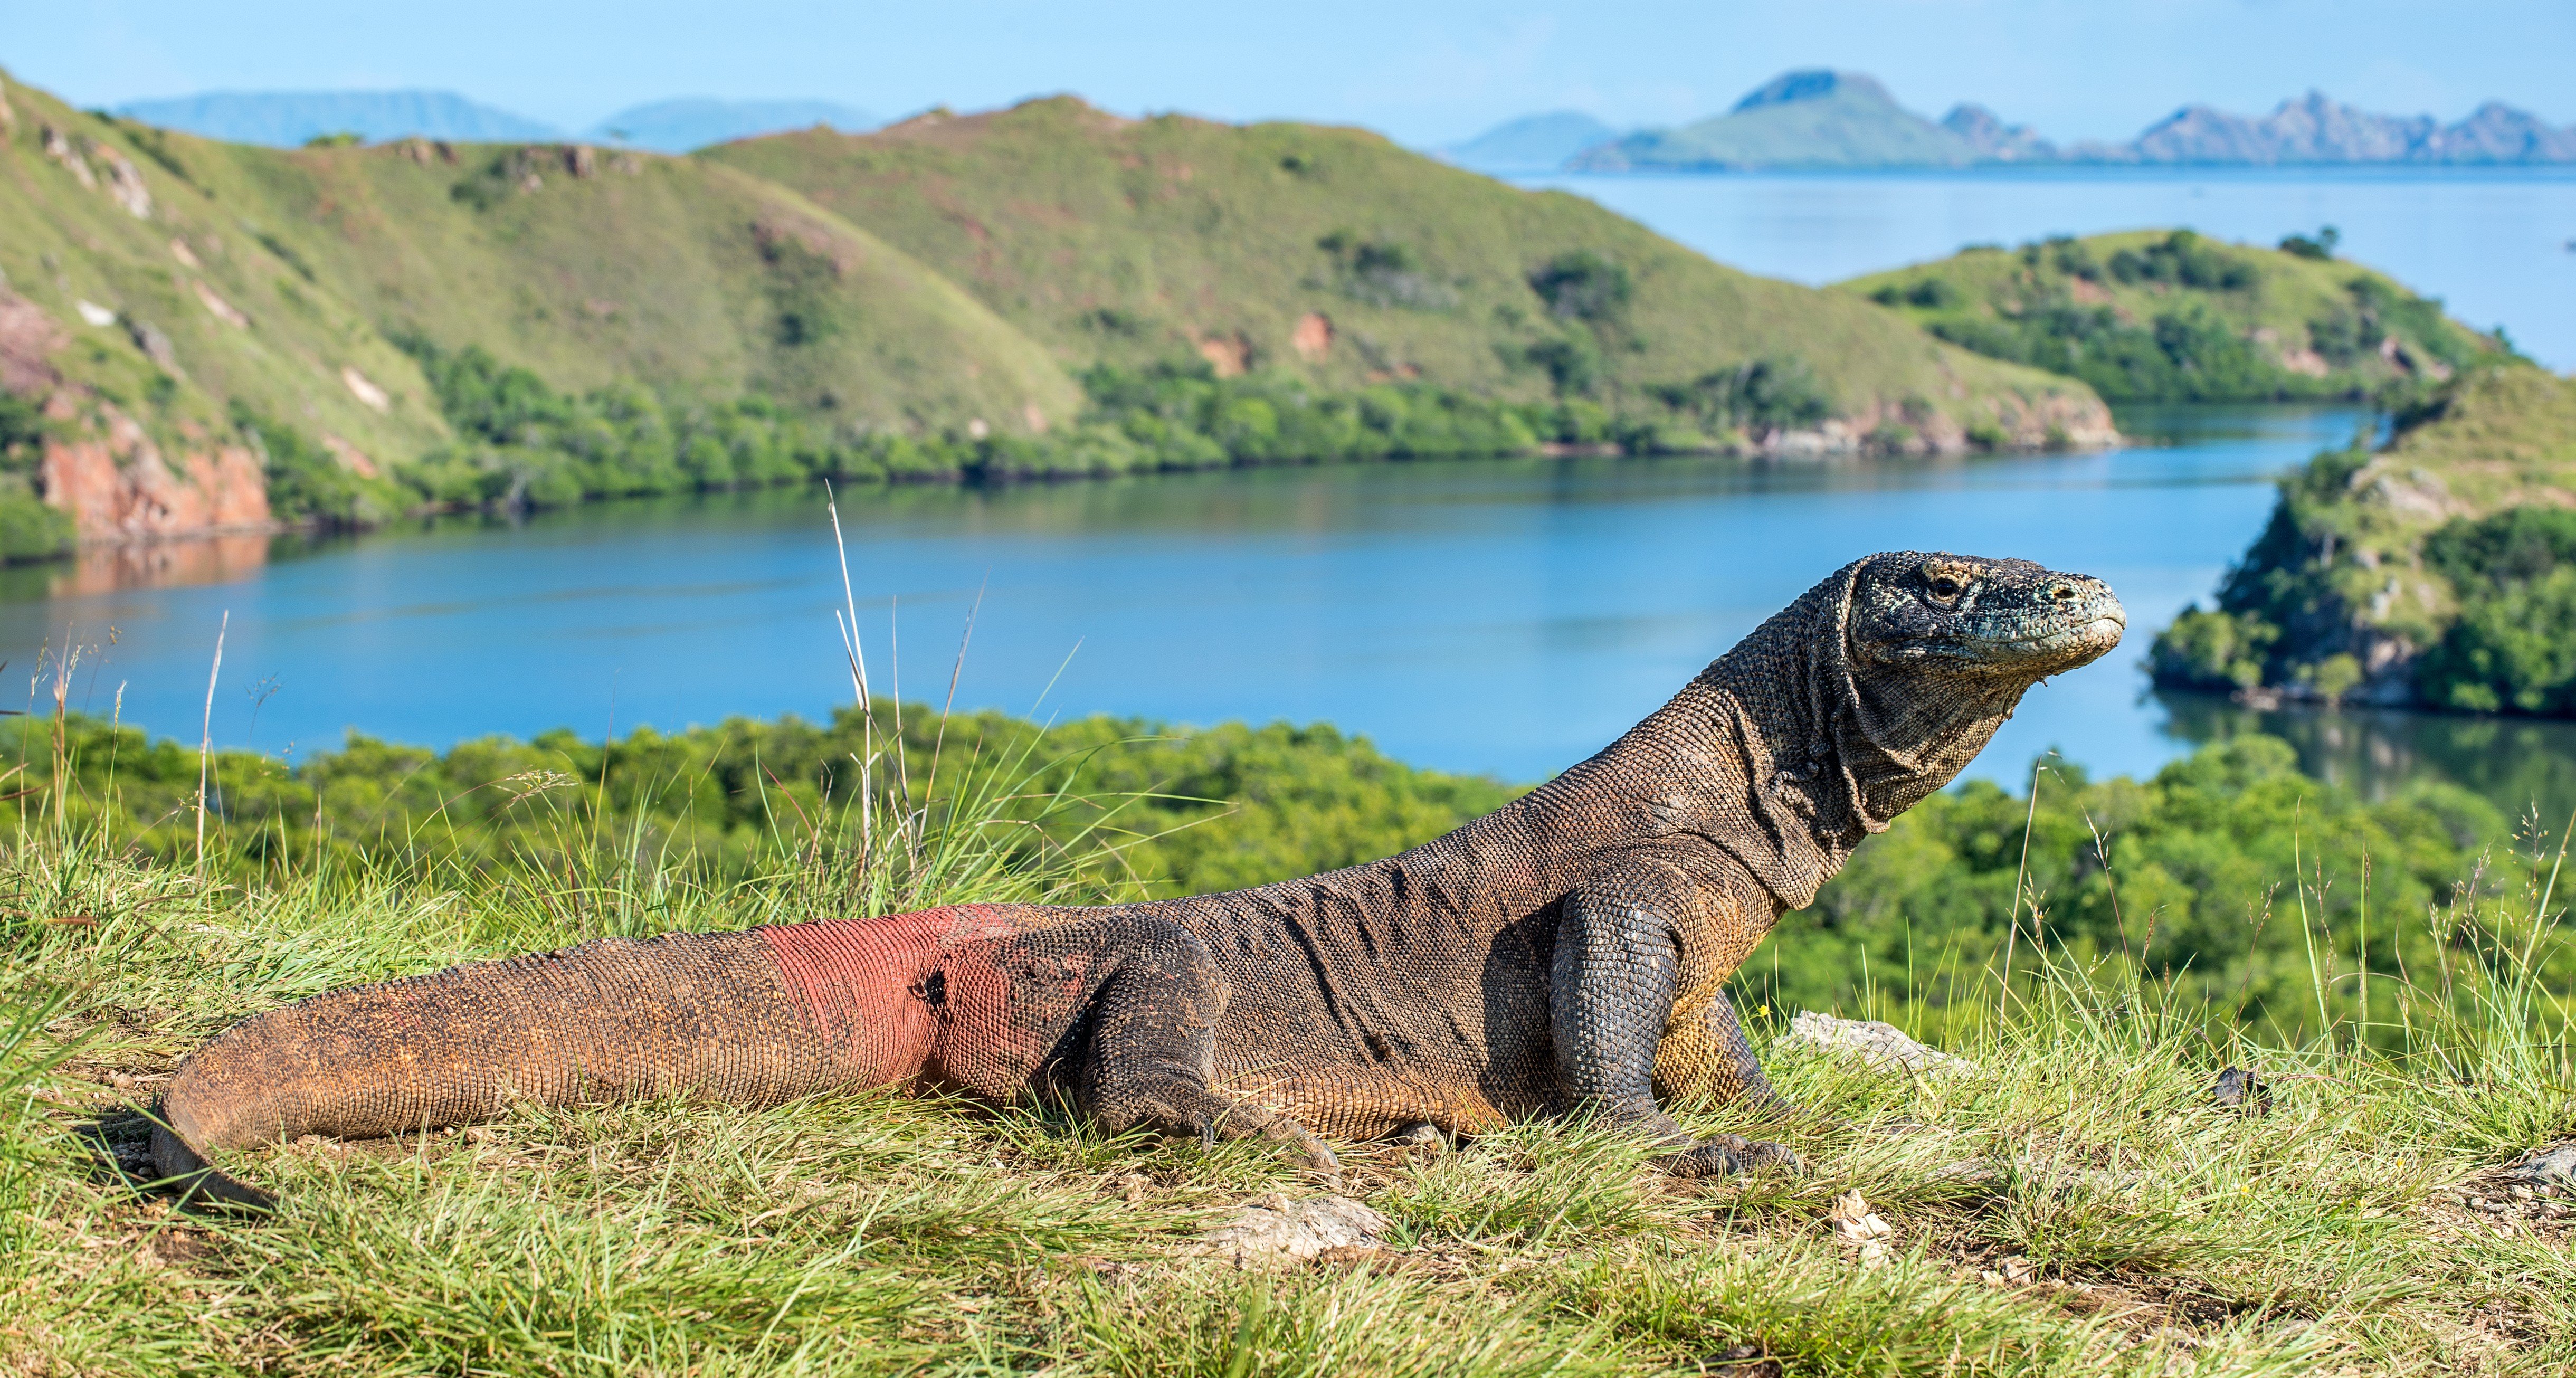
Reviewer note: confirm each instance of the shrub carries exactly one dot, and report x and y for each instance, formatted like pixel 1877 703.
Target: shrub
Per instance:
pixel 1583 285
pixel 2320 248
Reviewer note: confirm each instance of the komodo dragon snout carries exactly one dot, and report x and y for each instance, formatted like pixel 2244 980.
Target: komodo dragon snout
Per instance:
pixel 1568 952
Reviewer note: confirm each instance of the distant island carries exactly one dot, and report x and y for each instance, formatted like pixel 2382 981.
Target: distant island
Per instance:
pixel 1829 119
pixel 292 119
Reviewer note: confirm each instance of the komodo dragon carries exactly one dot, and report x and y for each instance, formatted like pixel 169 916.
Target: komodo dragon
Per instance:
pixel 1566 952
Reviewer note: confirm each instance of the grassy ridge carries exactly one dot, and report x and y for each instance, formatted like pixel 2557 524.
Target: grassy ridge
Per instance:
pixel 2075 1205
pixel 2153 315
pixel 2439 570
pixel 1131 242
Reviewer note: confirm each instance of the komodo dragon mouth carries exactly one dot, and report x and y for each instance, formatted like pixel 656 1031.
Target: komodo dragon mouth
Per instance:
pixel 1567 952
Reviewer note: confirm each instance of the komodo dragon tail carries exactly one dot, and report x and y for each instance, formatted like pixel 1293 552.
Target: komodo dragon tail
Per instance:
pixel 725 1016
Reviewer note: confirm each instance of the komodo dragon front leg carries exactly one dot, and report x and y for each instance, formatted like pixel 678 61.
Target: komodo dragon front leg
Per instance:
pixel 1631 945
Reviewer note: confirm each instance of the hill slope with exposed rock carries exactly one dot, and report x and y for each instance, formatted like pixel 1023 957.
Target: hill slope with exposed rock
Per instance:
pixel 201 336
pixel 187 324
pixel 2438 571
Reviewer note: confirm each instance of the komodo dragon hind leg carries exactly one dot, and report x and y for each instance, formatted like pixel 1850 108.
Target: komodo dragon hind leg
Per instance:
pixel 1152 1055
pixel 1614 982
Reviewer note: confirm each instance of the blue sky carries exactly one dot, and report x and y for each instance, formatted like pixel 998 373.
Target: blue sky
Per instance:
pixel 1425 73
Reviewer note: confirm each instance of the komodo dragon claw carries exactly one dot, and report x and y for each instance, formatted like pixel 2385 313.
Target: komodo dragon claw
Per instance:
pixel 1569 950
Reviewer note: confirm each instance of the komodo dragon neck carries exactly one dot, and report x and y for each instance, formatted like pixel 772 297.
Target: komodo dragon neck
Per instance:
pixel 1777 755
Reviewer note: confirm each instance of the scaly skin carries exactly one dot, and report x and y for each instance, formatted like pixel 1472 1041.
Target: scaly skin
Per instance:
pixel 1567 952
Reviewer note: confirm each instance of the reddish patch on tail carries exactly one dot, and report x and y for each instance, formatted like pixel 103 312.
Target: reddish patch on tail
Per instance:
pixel 871 986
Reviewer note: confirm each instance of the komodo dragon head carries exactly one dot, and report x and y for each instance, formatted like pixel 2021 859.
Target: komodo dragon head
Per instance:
pixel 1876 688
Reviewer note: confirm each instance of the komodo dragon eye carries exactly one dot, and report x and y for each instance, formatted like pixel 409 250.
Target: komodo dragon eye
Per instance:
pixel 1944 587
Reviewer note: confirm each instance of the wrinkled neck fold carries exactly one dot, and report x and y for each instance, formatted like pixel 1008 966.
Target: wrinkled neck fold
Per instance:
pixel 1825 760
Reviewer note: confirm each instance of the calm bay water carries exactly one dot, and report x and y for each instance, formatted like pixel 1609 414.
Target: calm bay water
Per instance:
pixel 1507 617
pixel 2494 243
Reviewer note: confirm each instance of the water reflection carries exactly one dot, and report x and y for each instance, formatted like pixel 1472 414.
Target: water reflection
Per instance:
pixel 2518 764
pixel 159 565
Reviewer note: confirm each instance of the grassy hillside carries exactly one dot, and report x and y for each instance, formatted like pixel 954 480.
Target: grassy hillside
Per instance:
pixel 1337 257
pixel 2440 570
pixel 2153 315
pixel 2071 1202
pixel 593 268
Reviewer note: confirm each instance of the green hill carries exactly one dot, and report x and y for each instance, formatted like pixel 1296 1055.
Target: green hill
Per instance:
pixel 2155 315
pixel 1337 257
pixel 1798 119
pixel 199 335
pixel 2439 571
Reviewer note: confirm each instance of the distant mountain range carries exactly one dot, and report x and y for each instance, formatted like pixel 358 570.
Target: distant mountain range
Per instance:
pixel 1826 119
pixel 1532 143
pixel 290 119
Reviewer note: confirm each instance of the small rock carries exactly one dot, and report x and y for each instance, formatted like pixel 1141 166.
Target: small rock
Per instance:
pixel 1272 1229
pixel 2555 1166
pixel 1880 1046
pixel 2241 1091
pixel 2017 1270
pixel 1855 1223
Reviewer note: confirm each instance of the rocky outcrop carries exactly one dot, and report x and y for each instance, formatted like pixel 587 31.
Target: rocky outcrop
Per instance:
pixel 1995 140
pixel 118 485
pixel 2315 129
pixel 2054 421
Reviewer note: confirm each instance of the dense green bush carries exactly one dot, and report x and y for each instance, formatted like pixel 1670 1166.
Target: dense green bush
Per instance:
pixel 2187 354
pixel 2513 647
pixel 1173 809
pixel 2191 878
pixel 1773 393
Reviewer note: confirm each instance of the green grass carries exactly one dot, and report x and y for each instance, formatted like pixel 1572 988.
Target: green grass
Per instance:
pixel 2072 1206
